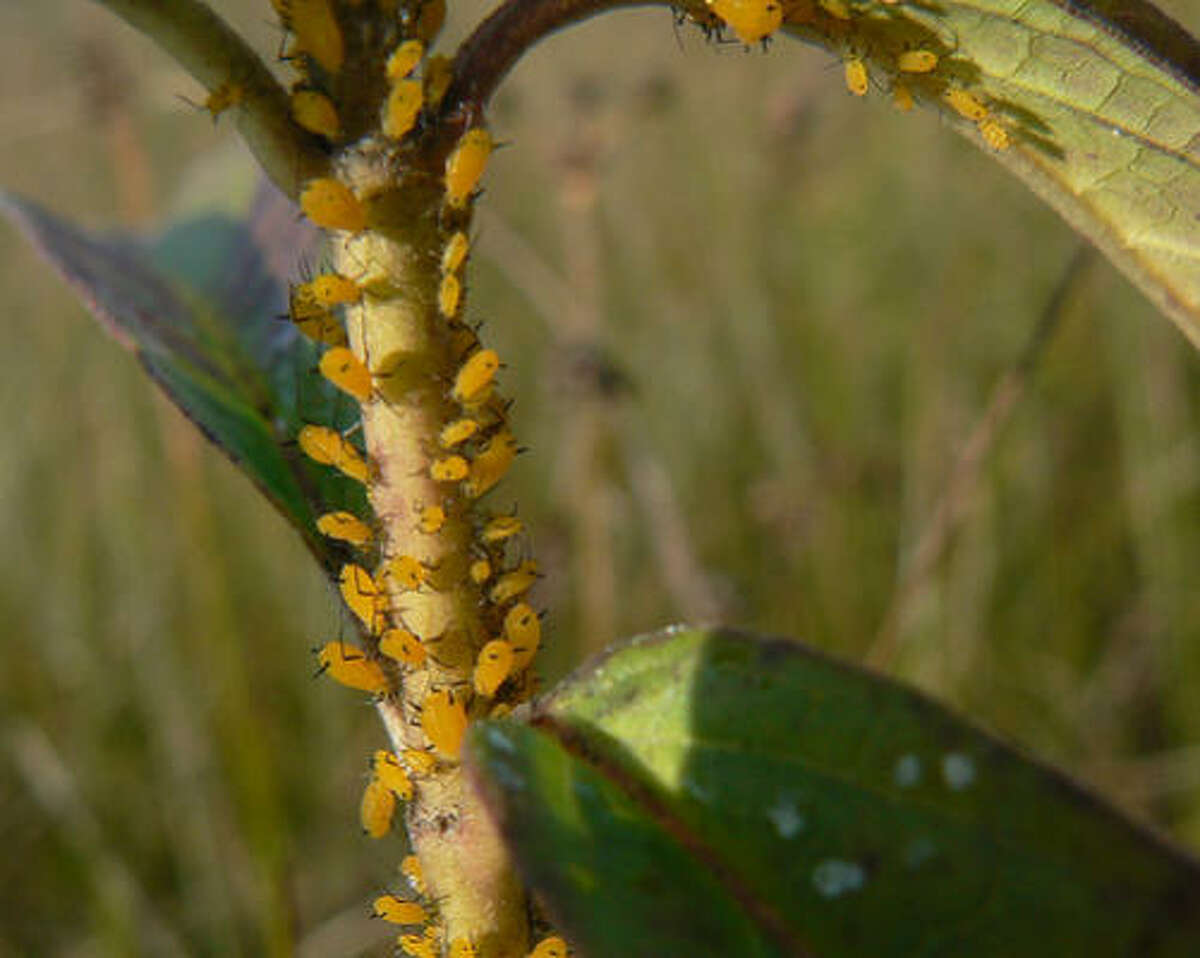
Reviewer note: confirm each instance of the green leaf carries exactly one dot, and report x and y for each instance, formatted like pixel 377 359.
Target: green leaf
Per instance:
pixel 836 812
pixel 200 309
pixel 1100 101
pixel 641 894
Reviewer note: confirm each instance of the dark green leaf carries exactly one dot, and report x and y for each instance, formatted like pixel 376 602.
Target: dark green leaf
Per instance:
pixel 613 874
pixel 839 809
pixel 200 308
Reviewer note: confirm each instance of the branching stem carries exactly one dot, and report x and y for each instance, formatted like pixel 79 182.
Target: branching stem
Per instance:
pixel 487 55
pixel 209 49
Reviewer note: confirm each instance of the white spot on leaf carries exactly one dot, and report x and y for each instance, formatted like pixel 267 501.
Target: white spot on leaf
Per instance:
pixel 697 791
pixel 834 877
pixel 500 741
pixel 907 772
pixel 786 817
pixel 958 770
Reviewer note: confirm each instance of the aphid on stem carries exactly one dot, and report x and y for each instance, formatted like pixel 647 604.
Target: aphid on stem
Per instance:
pixel 348 666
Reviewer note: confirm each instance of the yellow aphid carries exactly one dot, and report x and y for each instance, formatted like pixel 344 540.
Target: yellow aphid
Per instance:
pixel 315 112
pixel 500 528
pixel 493 666
pixel 410 868
pixel 751 20
pixel 475 376
pixel 404 59
pixel 449 294
pixel 317 32
pixel 480 571
pixel 321 327
pixel 444 720
pixel 326 446
pixel 462 948
pixel 902 98
pixel 408 572
pixel 513 584
pixel 345 527
pixel 838 9
pixel 403 106
pixel 346 371
pixel 449 469
pixel 965 104
pixel 419 763
pixel 334 289
pixel 418 946
pixel 387 769
pixel 398 911
pixel 994 134
pixel 917 61
pixel 302 303
pixel 552 947
pixel 349 666
pixel 439 71
pixel 457 432
pixel 455 252
pixel 431 520
pixel 857 81
pixel 491 465
pixel 362 595
pixel 377 808
pixel 224 97
pixel 330 204
pixel 403 647
pixel 465 165
pixel 523 630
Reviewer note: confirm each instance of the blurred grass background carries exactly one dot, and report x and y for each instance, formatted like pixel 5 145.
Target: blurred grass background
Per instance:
pixel 751 323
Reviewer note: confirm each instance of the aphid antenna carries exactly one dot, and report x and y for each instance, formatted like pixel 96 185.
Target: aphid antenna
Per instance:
pixel 678 18
pixel 197 106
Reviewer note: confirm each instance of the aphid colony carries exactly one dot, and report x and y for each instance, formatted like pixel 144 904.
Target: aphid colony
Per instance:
pixel 863 34
pixel 318 50
pixel 474 450
pixel 909 70
pixel 467 663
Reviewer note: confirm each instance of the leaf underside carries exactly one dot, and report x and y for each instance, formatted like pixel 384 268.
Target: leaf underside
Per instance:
pixel 200 307
pixel 699 788
pixel 1101 103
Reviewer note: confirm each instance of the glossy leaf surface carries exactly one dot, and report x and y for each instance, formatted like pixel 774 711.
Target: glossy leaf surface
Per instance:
pixel 836 812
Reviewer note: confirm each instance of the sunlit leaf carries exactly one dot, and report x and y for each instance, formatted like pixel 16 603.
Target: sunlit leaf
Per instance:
pixel 828 809
pixel 1098 102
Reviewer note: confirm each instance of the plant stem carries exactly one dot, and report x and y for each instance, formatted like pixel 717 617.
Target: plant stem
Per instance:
pixel 208 48
pixel 487 55
pixel 398 331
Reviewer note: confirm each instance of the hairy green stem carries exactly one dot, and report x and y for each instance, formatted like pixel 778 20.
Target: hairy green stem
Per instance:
pixel 208 48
